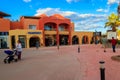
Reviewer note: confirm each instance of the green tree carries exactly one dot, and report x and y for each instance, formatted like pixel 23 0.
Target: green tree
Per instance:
pixel 113 22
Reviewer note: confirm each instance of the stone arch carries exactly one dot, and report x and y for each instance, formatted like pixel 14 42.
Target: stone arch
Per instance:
pixel 63 27
pixel 33 40
pixel 85 39
pixel 75 39
pixel 50 26
pixel 50 40
pixel 63 39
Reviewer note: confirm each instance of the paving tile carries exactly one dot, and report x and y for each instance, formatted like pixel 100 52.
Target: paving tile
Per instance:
pixel 49 63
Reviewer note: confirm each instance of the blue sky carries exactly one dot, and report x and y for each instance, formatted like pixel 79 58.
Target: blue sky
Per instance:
pixel 87 15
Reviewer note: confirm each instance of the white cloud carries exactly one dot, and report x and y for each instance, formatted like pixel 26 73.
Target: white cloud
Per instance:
pixel 70 1
pixel 102 10
pixel 82 21
pixel 48 11
pixel 90 22
pixel 27 1
pixel 51 11
pixel 112 1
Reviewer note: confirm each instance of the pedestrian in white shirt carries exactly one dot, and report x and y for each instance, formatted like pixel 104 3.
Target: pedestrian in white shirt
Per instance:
pixel 19 49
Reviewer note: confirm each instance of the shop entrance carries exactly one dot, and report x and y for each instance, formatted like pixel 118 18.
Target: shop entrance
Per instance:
pixel 85 39
pixel 63 39
pixel 13 41
pixel 75 40
pixel 50 40
pixel 33 40
pixel 22 40
pixel 3 43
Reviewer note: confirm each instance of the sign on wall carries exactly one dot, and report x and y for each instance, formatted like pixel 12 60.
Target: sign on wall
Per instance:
pixel 97 33
pixel 34 32
pixel 111 34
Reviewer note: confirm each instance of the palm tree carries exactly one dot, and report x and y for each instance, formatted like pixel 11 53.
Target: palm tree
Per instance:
pixel 113 22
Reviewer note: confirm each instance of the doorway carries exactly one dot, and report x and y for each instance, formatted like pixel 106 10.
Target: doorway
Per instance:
pixel 33 40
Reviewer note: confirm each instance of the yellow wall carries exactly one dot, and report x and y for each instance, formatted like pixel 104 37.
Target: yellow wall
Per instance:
pixel 81 34
pixel 18 32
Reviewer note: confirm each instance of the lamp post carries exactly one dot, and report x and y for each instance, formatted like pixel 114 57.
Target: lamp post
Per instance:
pixel 57 33
pixel 58 46
pixel 78 48
pixel 102 70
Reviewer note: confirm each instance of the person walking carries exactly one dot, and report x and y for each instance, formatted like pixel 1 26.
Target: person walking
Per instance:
pixel 113 42
pixel 19 49
pixel 104 43
pixel 37 44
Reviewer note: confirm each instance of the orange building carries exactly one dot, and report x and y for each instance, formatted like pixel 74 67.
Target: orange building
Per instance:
pixel 56 30
pixel 48 30
pixel 4 30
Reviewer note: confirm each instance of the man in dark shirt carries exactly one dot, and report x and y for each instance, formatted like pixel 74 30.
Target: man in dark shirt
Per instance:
pixel 114 42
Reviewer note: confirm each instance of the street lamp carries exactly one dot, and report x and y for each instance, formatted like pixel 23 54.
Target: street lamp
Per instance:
pixel 78 48
pixel 58 46
pixel 102 70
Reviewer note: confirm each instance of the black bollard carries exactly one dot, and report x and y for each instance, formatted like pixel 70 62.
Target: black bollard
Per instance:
pixel 79 49
pixel 102 70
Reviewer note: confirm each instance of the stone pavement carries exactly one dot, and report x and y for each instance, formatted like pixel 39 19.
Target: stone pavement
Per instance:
pixel 49 63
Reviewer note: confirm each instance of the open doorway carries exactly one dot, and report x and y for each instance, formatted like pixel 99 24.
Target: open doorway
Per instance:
pixel 63 39
pixel 85 39
pixel 75 40
pixel 33 40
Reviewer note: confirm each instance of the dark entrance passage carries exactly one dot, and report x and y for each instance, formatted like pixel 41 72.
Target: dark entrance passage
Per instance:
pixel 63 39
pixel 13 42
pixel 33 41
pixel 75 40
pixel 48 41
pixel 22 40
pixel 85 40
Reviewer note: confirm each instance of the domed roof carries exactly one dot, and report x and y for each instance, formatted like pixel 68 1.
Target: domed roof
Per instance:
pixel 58 16
pixel 43 15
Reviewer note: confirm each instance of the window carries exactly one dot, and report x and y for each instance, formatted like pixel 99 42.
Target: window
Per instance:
pixel 48 27
pixel 61 28
pixel 33 27
pixel 4 42
pixel 4 33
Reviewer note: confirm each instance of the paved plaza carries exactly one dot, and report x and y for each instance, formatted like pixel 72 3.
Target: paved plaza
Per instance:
pixel 49 63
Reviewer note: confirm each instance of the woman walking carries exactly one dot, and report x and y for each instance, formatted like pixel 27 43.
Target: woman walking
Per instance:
pixel 19 49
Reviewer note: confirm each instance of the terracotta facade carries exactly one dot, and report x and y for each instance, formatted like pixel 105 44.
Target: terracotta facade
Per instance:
pixel 48 30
